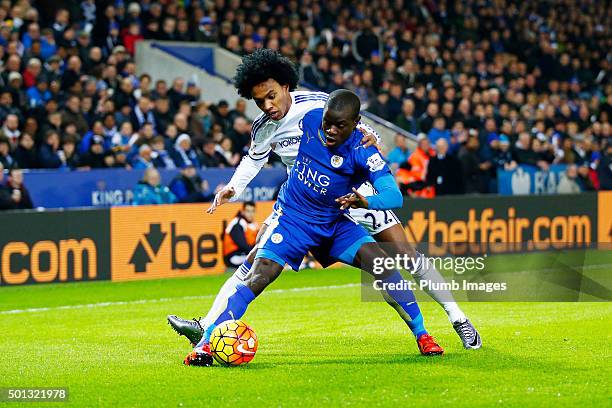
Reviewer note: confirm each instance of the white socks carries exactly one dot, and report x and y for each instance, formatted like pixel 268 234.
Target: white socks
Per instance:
pixel 426 271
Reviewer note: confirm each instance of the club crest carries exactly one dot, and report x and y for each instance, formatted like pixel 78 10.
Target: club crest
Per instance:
pixel 336 161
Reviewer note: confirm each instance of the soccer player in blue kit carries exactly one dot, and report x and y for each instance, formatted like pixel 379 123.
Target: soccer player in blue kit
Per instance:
pixel 310 216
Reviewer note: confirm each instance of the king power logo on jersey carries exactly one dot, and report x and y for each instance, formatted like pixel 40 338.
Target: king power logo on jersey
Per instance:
pixel 312 178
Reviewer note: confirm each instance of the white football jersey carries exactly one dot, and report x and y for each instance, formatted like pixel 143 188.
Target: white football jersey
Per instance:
pixel 283 136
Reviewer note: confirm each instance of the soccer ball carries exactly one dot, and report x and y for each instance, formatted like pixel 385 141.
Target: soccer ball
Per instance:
pixel 233 342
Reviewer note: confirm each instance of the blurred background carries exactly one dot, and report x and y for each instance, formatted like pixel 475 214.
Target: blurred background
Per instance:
pixel 471 97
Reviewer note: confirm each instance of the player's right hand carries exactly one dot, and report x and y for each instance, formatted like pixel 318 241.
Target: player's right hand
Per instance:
pixel 222 197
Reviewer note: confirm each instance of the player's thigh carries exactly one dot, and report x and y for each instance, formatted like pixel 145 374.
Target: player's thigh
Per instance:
pixel 348 236
pixel 287 241
pixel 374 221
pixel 393 240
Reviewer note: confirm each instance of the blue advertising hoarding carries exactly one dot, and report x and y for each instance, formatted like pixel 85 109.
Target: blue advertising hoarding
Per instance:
pixel 110 187
pixel 530 180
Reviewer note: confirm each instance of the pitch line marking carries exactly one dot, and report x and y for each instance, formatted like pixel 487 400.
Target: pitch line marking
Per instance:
pixel 160 300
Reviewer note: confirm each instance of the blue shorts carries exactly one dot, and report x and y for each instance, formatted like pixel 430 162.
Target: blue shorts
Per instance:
pixel 287 240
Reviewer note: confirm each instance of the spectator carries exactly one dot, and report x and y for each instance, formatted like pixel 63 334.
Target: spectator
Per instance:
pixel 176 94
pixel 225 148
pixel 133 36
pixel 444 171
pixel 144 159
pixel 49 156
pixel 162 116
pixel 474 170
pixel 207 31
pixel 71 156
pixel 427 119
pixel 20 194
pixel 439 131
pixel 380 106
pixel 201 121
pixel 400 153
pixel 524 154
pixel 150 190
pixel 10 129
pixel 73 114
pixel 142 113
pixel 366 42
pixel 8 197
pixel 39 94
pixel 502 157
pixel 604 169
pixel 413 173
pixel 97 129
pixel 240 135
pixel 406 120
pixel 211 157
pixel 184 153
pixel 25 153
pixel 32 72
pixel 8 162
pixel 222 116
pixel 188 186
pixel 94 157
pixel 240 236
pixel 239 110
pixel 161 157
pixel 568 183
pixel 584 178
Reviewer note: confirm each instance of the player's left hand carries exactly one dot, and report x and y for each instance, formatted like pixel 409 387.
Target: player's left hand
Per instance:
pixel 369 139
pixel 352 200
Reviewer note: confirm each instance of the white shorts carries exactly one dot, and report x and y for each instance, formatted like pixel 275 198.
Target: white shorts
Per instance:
pixel 374 221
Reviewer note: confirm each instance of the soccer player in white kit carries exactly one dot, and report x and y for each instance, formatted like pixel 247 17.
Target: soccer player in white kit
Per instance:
pixel 270 80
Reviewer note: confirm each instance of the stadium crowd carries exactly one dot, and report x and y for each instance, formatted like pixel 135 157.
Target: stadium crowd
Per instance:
pixel 484 85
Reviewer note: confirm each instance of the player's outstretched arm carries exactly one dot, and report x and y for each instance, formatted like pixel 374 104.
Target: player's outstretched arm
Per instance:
pixel 245 172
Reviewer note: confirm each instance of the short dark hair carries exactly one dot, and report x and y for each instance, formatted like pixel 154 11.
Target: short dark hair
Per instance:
pixel 261 65
pixel 344 100
pixel 248 204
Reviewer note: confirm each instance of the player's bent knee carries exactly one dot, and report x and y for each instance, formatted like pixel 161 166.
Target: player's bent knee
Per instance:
pixel 369 257
pixel 262 274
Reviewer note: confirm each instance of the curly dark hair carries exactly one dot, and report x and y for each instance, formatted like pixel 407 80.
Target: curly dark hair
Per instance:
pixel 261 65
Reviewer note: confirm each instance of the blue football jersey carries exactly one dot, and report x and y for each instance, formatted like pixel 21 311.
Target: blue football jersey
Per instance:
pixel 321 174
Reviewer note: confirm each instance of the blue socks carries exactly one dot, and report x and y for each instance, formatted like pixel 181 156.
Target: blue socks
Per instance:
pixel 404 302
pixel 234 309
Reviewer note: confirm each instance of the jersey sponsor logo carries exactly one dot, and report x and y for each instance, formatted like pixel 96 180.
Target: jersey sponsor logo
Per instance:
pixel 277 238
pixel 336 161
pixel 375 162
pixel 288 141
pixel 312 178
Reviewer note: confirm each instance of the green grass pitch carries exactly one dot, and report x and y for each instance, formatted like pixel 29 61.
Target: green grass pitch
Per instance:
pixel 320 345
